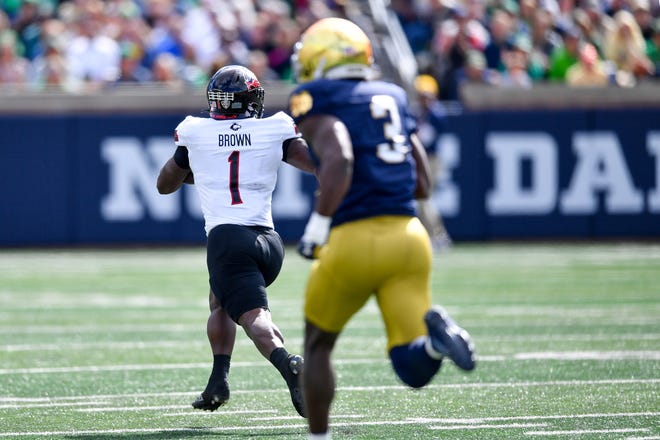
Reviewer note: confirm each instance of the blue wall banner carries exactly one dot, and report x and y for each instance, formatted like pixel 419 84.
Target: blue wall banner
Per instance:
pixel 90 179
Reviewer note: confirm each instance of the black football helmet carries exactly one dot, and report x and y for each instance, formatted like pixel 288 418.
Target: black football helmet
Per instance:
pixel 235 92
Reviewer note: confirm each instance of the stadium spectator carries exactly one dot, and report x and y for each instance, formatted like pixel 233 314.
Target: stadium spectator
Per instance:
pixel 653 46
pixel 545 40
pixel 279 33
pixel 526 14
pixel 589 71
pixel 599 25
pixel 610 7
pixel 51 70
pixel 416 25
pixel 476 71
pixel 93 56
pixel 202 31
pixel 244 252
pixel 257 62
pixel 167 70
pixel 501 28
pixel 131 68
pixel 583 22
pixel 284 37
pixel 643 17
pixel 626 48
pixel 14 68
pixel 363 229
pixel 516 63
pixel 165 35
pixel 132 36
pixel 468 34
pixel 442 64
pixel 566 55
pixel 27 24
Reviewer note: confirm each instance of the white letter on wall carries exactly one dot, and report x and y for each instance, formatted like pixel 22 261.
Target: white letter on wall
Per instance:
pixel 132 180
pixel 600 167
pixel 508 151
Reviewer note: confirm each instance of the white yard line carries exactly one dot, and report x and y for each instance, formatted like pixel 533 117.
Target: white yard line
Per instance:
pixel 28 402
pixel 475 427
pixel 585 432
pixel 127 345
pixel 545 355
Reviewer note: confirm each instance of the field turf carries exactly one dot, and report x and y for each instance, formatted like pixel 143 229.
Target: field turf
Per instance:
pixel 111 344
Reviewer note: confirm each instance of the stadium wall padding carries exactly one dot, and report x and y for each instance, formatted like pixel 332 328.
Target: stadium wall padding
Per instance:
pixel 76 179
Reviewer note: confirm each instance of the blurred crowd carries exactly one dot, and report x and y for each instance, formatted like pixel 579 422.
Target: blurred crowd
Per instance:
pixel 509 43
pixel 81 45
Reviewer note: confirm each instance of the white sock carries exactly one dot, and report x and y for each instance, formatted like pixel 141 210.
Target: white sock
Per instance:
pixel 431 351
pixel 324 436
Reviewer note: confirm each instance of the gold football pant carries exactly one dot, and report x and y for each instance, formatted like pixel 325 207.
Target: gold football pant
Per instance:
pixel 387 256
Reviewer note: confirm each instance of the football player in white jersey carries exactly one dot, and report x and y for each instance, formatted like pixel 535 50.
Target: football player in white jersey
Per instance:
pixel 233 158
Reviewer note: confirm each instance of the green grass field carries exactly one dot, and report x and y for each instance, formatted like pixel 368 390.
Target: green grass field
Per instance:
pixel 107 344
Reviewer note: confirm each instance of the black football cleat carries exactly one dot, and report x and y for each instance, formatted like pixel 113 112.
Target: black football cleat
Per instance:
pixel 448 339
pixel 293 382
pixel 213 399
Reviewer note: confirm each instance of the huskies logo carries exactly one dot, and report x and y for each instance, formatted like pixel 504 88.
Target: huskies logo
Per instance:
pixel 252 84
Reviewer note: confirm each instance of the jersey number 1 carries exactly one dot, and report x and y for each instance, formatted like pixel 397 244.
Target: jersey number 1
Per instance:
pixel 234 160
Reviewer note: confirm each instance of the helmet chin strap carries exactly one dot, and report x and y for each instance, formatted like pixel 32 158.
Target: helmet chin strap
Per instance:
pixel 220 116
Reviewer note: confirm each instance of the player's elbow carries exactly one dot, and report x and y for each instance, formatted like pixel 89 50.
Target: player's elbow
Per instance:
pixel 165 187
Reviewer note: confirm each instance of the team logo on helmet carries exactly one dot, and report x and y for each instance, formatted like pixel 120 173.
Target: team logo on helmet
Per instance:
pixel 252 84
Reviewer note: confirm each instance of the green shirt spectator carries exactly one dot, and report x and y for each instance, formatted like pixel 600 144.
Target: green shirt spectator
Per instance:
pixel 565 56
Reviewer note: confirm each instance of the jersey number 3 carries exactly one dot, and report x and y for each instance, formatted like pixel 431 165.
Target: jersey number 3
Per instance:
pixel 395 149
pixel 234 160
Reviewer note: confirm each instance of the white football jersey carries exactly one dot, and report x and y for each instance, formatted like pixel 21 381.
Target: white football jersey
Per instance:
pixel 235 163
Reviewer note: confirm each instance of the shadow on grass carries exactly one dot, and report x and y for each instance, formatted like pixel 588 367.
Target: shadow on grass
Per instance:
pixel 184 433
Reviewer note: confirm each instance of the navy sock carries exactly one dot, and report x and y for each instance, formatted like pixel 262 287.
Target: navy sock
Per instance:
pixel 412 363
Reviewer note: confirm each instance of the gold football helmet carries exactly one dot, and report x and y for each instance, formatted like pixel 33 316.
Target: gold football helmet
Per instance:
pixel 333 48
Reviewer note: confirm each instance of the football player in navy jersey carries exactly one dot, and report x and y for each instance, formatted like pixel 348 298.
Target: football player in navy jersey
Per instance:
pixel 363 233
pixel 233 157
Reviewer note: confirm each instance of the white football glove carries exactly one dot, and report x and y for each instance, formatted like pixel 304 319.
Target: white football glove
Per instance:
pixel 315 235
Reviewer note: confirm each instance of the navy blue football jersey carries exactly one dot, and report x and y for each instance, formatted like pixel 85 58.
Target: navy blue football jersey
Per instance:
pixel 379 121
